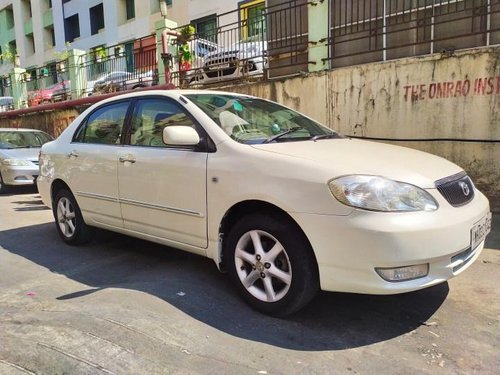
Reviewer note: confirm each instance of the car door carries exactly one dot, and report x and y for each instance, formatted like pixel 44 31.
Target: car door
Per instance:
pixel 162 189
pixel 93 163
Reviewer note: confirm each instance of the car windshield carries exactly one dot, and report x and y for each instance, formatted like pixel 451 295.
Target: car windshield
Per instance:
pixel 6 100
pixel 16 139
pixel 255 121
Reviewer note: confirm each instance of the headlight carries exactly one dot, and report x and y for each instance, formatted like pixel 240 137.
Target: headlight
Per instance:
pixel 381 194
pixel 15 162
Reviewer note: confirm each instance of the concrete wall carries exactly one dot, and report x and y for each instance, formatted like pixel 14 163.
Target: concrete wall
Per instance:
pixel 456 98
pixel 51 122
pixel 446 105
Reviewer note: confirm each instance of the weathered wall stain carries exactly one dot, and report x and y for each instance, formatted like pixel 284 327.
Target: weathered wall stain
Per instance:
pixel 426 98
pixel 456 98
pixel 53 122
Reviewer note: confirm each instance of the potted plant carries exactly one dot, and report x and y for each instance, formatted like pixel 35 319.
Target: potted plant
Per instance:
pixel 9 55
pixel 184 54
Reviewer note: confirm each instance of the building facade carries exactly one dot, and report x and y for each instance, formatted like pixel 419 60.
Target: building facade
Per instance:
pixel 34 33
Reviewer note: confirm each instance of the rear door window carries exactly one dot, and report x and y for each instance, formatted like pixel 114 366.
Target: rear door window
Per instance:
pixel 104 125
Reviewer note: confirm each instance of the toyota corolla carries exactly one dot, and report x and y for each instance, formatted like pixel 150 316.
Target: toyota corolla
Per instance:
pixel 282 203
pixel 19 150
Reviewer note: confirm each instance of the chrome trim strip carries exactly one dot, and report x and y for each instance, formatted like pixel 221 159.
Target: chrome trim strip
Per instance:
pixel 97 196
pixel 140 204
pixel 451 178
pixel 161 208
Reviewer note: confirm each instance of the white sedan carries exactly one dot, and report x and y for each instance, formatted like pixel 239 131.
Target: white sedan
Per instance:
pixel 283 204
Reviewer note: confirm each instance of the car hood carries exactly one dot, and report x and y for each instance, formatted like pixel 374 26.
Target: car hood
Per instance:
pixel 239 50
pixel 348 156
pixel 21 153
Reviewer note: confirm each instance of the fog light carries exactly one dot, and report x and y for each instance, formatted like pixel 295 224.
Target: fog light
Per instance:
pixel 403 273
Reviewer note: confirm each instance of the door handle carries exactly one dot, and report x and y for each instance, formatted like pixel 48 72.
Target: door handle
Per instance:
pixel 124 159
pixel 73 154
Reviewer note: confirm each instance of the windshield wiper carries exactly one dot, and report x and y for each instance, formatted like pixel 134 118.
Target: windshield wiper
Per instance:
pixel 325 136
pixel 278 136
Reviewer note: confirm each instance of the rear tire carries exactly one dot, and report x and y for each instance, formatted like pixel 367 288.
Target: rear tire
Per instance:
pixel 272 264
pixel 69 220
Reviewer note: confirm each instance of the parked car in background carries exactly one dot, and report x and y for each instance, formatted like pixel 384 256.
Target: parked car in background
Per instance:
pixel 284 204
pixel 19 150
pixel 6 103
pixel 53 93
pixel 120 81
pixel 199 48
pixel 242 59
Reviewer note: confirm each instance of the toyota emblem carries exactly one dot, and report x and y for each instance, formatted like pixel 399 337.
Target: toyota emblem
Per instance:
pixel 465 188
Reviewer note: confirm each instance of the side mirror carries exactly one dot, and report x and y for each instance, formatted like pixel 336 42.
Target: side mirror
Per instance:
pixel 180 136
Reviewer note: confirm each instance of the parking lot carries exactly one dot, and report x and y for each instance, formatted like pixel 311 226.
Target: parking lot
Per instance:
pixel 125 306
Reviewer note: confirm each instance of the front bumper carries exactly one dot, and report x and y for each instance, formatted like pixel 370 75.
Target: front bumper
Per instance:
pixel 237 68
pixel 19 175
pixel 349 248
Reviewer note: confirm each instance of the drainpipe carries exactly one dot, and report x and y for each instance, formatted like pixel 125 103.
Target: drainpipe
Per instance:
pixel 164 30
pixel 165 55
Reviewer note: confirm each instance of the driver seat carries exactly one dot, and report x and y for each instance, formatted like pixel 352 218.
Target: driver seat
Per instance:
pixel 228 121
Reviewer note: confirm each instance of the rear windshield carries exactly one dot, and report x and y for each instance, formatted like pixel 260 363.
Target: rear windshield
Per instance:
pixel 10 139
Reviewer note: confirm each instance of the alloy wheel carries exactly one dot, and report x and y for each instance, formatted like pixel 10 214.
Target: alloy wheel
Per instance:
pixel 66 217
pixel 263 266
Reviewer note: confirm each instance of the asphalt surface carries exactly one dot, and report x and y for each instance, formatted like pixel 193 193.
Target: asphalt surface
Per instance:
pixel 124 306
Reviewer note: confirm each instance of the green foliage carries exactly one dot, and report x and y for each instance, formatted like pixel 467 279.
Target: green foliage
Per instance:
pixel 8 55
pixel 100 52
pixel 186 33
pixel 64 54
pixel 183 51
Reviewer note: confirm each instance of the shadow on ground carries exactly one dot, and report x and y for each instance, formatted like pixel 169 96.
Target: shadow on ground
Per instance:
pixel 493 239
pixel 333 321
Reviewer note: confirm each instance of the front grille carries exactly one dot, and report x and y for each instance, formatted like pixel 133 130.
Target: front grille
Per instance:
pixel 220 67
pixel 457 189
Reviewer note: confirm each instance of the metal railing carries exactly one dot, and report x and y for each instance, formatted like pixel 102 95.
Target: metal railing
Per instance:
pixel 274 42
pixel 269 44
pixel 363 31
pixel 120 67
pixel 5 86
pixel 48 83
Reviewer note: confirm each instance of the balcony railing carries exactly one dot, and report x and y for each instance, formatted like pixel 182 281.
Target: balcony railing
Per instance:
pixel 120 67
pixel 363 31
pixel 270 44
pixel 275 42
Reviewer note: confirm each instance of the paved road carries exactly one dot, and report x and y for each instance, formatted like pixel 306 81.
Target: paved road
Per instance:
pixel 125 306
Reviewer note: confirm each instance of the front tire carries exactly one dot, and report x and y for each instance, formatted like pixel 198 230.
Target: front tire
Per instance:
pixel 272 264
pixel 3 188
pixel 69 220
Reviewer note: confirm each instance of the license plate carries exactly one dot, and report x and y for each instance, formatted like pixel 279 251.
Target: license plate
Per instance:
pixel 479 231
pixel 220 66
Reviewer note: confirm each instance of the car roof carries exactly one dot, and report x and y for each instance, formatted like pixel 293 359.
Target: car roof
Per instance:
pixel 20 130
pixel 176 93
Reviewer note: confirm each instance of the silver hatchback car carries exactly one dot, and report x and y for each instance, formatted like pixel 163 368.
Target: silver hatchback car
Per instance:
pixel 19 150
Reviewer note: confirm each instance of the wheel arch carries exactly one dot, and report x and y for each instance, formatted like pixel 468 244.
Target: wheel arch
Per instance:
pixel 58 185
pixel 243 208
